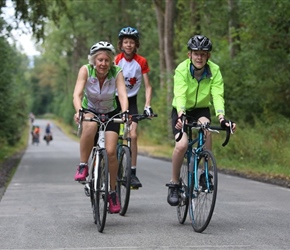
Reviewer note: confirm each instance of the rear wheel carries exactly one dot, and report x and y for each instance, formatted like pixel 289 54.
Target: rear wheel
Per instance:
pixel 182 207
pixel 202 197
pixel 47 138
pixel 101 192
pixel 124 178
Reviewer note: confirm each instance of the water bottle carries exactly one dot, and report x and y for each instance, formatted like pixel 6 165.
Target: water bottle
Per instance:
pixel 125 131
pixel 101 139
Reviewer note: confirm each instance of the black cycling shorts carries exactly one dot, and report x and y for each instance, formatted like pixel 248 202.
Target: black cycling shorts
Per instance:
pixel 112 126
pixel 194 113
pixel 133 108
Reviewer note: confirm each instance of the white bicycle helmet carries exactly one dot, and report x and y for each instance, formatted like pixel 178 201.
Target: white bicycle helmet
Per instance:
pixel 102 45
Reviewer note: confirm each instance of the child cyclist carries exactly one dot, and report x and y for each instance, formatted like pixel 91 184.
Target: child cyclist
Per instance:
pixel 197 81
pixel 134 67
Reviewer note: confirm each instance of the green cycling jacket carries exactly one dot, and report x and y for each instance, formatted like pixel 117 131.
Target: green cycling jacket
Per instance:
pixel 190 93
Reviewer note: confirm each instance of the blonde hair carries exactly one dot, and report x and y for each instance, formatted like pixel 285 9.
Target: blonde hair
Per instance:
pixel 109 53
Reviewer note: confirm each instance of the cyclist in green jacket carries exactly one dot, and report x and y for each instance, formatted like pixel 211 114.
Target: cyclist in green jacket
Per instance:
pixel 197 82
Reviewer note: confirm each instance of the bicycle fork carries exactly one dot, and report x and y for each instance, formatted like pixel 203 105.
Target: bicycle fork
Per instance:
pixel 93 172
pixel 207 174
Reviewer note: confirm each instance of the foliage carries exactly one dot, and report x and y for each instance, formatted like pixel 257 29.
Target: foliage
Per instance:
pixel 36 12
pixel 13 94
pixel 258 75
pixel 260 148
pixel 256 79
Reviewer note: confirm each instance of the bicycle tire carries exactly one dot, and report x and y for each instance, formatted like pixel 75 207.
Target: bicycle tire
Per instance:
pixel 124 178
pixel 92 190
pixel 182 207
pixel 202 200
pixel 91 184
pixel 101 193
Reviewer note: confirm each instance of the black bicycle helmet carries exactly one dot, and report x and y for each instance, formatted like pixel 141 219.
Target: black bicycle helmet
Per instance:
pixel 199 42
pixel 129 31
pixel 102 45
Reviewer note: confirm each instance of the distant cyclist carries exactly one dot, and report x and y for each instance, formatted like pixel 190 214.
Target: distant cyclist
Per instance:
pixel 48 129
pixel 48 133
pixel 31 117
pixel 135 67
pixel 197 82
pixel 35 134
pixel 95 89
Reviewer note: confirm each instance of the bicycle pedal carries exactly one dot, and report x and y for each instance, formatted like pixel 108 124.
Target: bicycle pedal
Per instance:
pixel 83 182
pixel 134 188
pixel 87 190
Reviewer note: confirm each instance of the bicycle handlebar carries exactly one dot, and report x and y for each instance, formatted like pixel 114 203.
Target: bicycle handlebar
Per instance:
pixel 98 117
pixel 205 126
pixel 101 119
pixel 140 117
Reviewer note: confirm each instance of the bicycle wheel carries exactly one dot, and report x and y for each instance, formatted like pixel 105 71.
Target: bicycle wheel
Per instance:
pixel 101 192
pixel 182 207
pixel 124 178
pixel 202 200
pixel 91 191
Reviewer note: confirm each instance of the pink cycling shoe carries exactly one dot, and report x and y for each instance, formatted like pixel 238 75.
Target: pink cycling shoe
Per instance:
pixel 82 173
pixel 114 204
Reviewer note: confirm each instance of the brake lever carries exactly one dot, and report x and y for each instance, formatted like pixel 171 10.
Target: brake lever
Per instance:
pixel 231 127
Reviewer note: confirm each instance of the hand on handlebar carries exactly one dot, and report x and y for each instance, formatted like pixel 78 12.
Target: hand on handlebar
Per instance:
pixel 180 120
pixel 125 116
pixel 228 124
pixel 148 111
pixel 77 117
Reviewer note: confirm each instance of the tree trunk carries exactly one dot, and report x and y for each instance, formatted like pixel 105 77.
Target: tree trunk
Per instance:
pixel 159 9
pixel 165 19
pixel 195 18
pixel 234 38
pixel 169 54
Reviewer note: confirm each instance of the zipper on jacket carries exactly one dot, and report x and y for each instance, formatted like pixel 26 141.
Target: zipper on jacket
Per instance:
pixel 196 95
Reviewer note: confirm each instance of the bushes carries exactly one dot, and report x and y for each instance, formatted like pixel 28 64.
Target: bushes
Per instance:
pixel 261 148
pixel 13 96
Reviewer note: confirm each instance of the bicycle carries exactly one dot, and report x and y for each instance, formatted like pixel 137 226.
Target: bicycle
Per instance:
pixel 198 183
pixel 47 138
pixel 124 161
pixel 96 185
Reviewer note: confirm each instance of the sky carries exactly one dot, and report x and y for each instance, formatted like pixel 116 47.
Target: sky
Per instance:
pixel 24 42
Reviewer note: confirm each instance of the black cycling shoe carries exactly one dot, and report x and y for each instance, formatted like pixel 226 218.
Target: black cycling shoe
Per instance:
pixel 202 181
pixel 173 194
pixel 135 183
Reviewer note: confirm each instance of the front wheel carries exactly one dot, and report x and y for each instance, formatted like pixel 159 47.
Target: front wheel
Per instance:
pixel 101 192
pixel 124 178
pixel 182 207
pixel 202 195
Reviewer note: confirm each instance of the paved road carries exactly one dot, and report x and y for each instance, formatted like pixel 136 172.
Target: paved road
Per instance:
pixel 43 208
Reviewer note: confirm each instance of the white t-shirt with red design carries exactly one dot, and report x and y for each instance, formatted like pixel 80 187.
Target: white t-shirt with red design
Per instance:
pixel 132 71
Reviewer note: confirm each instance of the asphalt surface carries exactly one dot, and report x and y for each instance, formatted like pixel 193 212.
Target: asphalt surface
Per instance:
pixel 44 208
